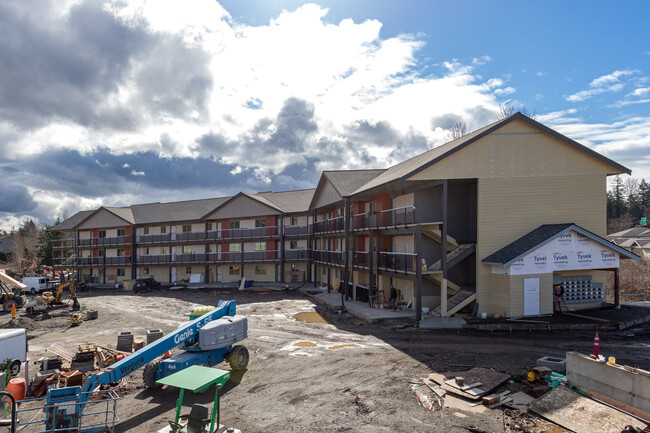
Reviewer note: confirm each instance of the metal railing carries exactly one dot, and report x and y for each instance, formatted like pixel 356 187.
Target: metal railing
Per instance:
pixel 154 259
pixel 396 262
pixel 360 259
pixel 332 257
pixel 297 254
pixel 390 217
pixel 297 230
pixel 329 225
pixel 154 239
pixel 243 233
pixel 246 256
pixel 98 413
pixel 105 242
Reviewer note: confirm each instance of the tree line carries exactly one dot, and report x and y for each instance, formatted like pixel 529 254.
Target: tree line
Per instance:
pixel 31 241
pixel 628 200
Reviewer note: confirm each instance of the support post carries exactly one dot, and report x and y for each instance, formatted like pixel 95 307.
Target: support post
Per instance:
pixel 443 259
pixel 418 275
pixel 282 241
pixel 617 289
pixel 371 264
pixel 134 255
pixel 205 251
pixel 346 252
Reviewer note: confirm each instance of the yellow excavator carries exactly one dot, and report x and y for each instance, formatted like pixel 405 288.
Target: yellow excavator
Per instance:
pixel 50 298
pixel 12 292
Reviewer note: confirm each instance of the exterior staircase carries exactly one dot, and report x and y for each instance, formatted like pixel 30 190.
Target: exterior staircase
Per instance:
pixel 436 235
pixel 454 257
pixel 456 302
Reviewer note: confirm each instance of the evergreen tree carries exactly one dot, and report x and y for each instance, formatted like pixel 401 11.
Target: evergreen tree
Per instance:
pixel 46 240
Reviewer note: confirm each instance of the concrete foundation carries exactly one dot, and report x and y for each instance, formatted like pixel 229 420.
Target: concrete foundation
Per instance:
pixel 442 323
pixel 627 385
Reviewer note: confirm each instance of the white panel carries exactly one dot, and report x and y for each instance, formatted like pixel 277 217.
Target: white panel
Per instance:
pixel 531 296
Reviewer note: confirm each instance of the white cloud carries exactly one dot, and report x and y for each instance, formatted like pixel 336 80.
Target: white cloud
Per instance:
pixel 605 83
pixel 641 91
pixel 505 91
pixel 137 173
pixel 481 60
pixel 539 74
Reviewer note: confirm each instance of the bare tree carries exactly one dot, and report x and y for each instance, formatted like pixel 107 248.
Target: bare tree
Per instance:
pixel 458 130
pixel 506 109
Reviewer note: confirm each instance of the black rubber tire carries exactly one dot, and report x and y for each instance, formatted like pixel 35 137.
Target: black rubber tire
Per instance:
pixel 7 306
pixel 149 374
pixel 33 290
pixel 15 368
pixel 238 358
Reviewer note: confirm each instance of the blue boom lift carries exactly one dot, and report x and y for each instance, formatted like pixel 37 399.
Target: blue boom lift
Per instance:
pixel 207 340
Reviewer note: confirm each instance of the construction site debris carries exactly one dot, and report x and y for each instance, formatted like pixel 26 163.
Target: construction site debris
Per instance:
pixel 489 380
pixel 581 414
pixel 125 341
pixel 92 314
pixel 154 334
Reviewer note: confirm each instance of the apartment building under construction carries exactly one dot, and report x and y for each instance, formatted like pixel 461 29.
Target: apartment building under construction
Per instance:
pixel 498 220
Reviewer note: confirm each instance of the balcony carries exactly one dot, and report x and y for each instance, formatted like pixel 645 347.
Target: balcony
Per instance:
pixel 296 230
pixel 298 254
pixel 246 256
pixel 154 239
pixel 391 217
pixel 331 257
pixel 63 244
pixel 188 258
pixel 396 262
pixel 105 242
pixel 158 259
pixel 243 233
pixel 330 225
pixel 94 261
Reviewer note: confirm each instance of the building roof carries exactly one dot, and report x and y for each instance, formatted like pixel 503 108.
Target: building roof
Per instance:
pixel 541 236
pixel 408 168
pixel 290 201
pixel 189 210
pixel 74 220
pixel 348 181
pixel 635 232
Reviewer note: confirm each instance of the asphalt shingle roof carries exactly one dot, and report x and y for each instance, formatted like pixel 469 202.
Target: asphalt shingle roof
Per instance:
pixel 348 181
pixel 290 201
pixel 540 236
pixel 75 219
pixel 189 210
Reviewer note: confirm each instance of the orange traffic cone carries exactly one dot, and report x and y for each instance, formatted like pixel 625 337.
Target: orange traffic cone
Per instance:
pixel 13 311
pixel 167 354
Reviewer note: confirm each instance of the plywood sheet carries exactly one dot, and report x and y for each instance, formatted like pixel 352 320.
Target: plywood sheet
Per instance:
pixel 489 380
pixel 576 412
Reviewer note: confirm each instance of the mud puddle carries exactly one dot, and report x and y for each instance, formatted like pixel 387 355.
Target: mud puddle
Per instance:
pixel 341 346
pixel 305 344
pixel 311 317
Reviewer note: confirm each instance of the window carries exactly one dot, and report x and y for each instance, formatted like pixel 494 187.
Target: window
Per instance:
pixel 120 272
pixel 163 250
pixel 146 271
pixel 293 245
pixel 294 221
pixel 187 228
pixel 102 233
pixel 145 251
pixel 260 222
pixel 208 226
pixel 163 229
pixel 260 246
pixel 233 248
pixel 146 230
pixel 260 270
pixel 188 270
pixel 234 224
pixel 187 249
pixel 120 252
pixel 121 232
pixel 233 270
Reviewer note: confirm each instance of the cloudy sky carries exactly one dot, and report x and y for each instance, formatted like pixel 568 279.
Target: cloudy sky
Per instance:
pixel 117 102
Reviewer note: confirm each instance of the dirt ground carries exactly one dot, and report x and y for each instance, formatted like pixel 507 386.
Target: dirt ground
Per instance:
pixel 306 376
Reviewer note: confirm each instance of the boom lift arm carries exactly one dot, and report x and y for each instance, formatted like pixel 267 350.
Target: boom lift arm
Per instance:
pixel 133 362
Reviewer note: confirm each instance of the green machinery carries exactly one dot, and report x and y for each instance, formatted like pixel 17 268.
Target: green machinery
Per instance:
pixel 197 379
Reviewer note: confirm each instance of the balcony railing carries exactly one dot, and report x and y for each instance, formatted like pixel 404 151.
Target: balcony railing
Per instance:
pixel 243 233
pixel 360 258
pixel 396 262
pixel 246 256
pixel 329 225
pixel 94 261
pixel 333 257
pixel 105 242
pixel 154 239
pixel 298 254
pixel 386 218
pixel 296 230
pixel 154 259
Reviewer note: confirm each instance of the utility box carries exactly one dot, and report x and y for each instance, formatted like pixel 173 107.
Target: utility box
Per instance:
pixel 223 332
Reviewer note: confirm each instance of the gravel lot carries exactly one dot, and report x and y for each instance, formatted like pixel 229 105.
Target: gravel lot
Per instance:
pixel 305 376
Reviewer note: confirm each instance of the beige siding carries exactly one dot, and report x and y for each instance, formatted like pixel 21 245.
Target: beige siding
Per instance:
pixel 513 151
pixel 249 272
pixel 326 195
pixel 159 273
pixel 517 294
pixel 102 219
pixel 403 200
pixel 403 244
pixel 500 287
pixel 242 207
pixel 510 208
